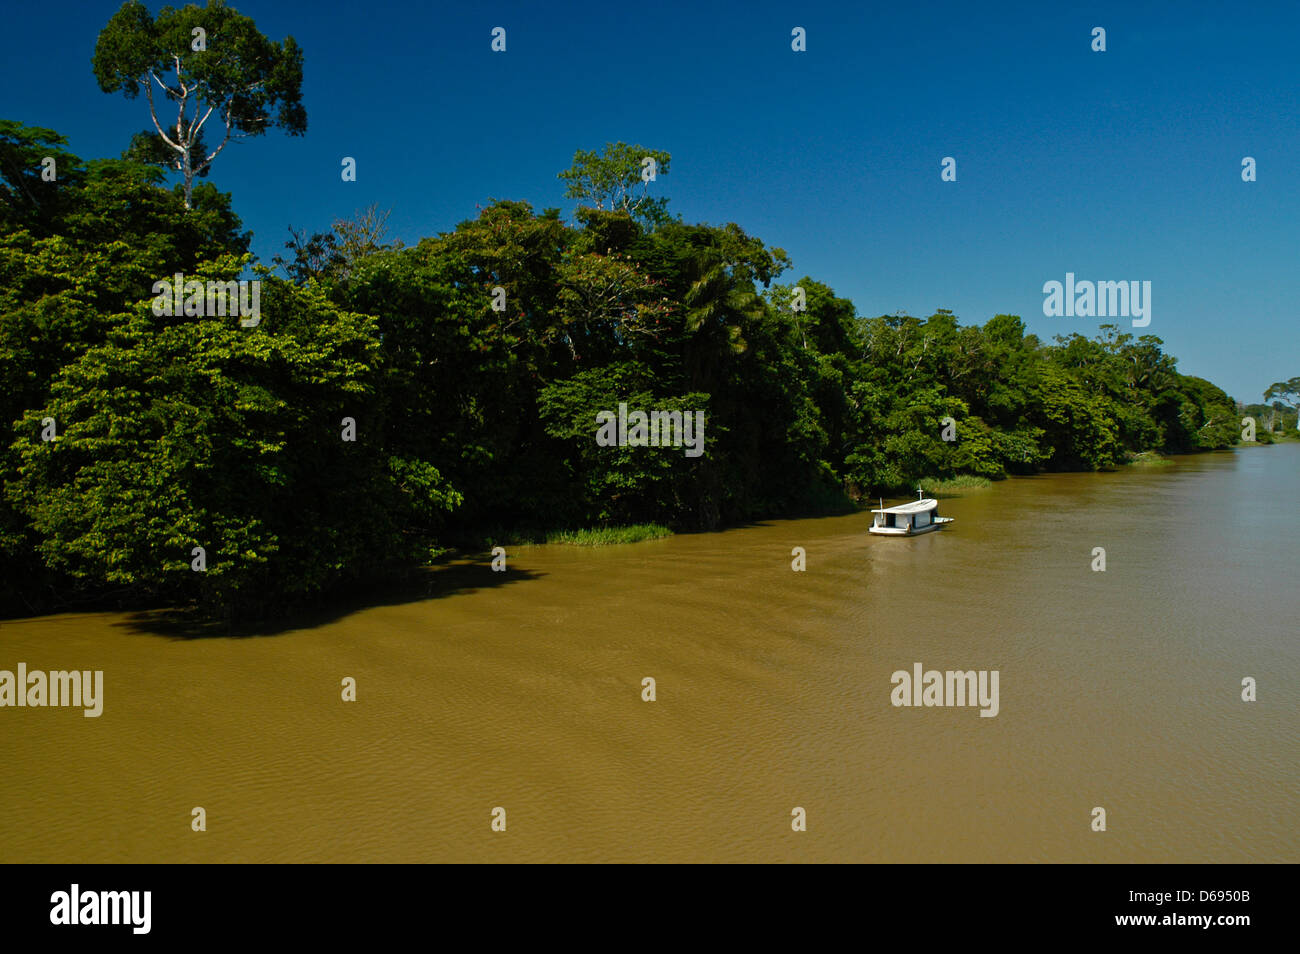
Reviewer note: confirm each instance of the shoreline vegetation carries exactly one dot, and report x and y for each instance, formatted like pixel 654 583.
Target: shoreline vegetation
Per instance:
pixel 590 537
pixel 951 486
pixel 1147 459
pixel 391 404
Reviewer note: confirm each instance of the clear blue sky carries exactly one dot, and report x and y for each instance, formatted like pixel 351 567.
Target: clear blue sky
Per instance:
pixel 1117 165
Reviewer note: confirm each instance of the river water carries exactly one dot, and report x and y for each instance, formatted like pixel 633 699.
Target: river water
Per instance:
pixel 522 690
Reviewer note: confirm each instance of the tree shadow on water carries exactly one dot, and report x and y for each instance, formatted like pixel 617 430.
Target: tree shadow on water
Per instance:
pixel 452 575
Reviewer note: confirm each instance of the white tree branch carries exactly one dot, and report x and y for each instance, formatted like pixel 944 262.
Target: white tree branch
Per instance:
pixel 216 152
pixel 177 60
pixel 199 128
pixel 165 88
pixel 153 114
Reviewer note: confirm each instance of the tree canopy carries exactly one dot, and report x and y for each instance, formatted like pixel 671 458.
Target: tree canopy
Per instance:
pixel 472 367
pixel 1286 391
pixel 201 62
pixel 617 179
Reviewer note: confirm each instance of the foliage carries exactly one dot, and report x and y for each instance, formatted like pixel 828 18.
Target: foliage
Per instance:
pixel 204 61
pixel 606 536
pixel 953 485
pixel 613 180
pixel 331 255
pixel 474 365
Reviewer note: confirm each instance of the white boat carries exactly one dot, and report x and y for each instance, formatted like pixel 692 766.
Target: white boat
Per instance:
pixel 909 519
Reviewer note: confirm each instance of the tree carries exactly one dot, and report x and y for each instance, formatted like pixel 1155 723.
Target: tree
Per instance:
pixel 205 60
pixel 74 255
pixel 150 149
pixel 1288 392
pixel 334 254
pixel 613 180
pixel 621 484
pixel 194 433
pixel 26 199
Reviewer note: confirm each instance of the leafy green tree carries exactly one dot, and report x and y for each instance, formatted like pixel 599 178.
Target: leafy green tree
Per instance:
pixel 623 485
pixel 332 255
pixel 202 434
pixel 73 258
pixel 1207 417
pixel 150 149
pixel 612 180
pixel 1288 392
pixel 1077 425
pixel 27 199
pixel 466 374
pixel 204 61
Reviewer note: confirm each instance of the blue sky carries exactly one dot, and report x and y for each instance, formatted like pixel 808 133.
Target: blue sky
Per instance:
pixel 1117 165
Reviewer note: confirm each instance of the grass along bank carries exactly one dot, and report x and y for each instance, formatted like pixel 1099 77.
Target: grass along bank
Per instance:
pixel 1148 459
pixel 604 536
pixel 935 486
pixel 591 537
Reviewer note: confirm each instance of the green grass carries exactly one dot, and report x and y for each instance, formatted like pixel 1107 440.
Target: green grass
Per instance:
pixel 604 536
pixel 952 485
pixel 1148 459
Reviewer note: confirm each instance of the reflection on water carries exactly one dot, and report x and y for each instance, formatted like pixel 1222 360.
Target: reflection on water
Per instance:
pixel 1119 689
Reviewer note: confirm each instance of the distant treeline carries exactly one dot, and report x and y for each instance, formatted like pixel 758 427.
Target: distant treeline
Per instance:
pixel 134 439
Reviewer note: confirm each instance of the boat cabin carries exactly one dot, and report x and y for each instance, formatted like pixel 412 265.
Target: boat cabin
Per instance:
pixel 918 516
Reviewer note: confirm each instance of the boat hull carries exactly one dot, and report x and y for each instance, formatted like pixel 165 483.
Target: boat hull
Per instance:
pixel 896 532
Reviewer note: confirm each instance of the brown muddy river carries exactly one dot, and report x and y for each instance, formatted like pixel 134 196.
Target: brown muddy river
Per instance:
pixel 1119 689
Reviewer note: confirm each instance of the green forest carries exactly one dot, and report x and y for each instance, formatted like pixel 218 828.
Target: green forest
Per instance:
pixel 390 404
pixel 133 438
pixel 472 423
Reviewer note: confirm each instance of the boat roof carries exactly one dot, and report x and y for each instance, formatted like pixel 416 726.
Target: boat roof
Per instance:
pixel 916 506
